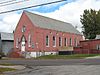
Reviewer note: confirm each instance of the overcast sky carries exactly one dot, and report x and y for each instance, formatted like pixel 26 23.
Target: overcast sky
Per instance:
pixel 68 11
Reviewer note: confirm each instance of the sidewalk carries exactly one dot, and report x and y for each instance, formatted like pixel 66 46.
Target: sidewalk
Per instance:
pixel 96 57
pixel 18 67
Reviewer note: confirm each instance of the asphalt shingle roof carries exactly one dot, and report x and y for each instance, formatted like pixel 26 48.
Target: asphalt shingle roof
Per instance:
pixel 7 36
pixel 49 23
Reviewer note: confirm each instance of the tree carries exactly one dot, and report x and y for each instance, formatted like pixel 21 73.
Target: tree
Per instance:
pixel 91 23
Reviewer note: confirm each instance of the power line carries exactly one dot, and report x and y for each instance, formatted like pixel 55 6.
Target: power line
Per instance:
pixel 7 1
pixel 30 7
pixel 11 2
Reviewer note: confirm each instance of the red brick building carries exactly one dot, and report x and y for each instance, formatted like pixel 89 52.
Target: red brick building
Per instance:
pixel 37 35
pixel 88 47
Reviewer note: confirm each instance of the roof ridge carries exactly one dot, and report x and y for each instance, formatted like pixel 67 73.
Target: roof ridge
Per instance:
pixel 47 17
pixel 50 23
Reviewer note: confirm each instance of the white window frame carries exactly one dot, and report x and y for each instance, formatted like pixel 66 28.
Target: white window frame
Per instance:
pixel 54 42
pixel 46 41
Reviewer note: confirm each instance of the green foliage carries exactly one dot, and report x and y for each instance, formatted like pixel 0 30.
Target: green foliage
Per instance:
pixel 91 23
pixel 73 56
pixel 6 69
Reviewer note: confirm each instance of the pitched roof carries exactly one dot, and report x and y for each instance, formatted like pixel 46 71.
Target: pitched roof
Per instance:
pixel 7 36
pixel 49 23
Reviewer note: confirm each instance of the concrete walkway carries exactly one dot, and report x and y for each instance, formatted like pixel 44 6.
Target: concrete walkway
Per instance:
pixel 95 57
pixel 18 67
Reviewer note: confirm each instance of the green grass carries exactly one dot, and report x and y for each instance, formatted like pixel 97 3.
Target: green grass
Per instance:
pixel 74 56
pixel 6 64
pixel 6 69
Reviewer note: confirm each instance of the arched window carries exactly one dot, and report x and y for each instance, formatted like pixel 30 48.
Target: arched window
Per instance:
pixel 65 41
pixel 75 42
pixel 47 41
pixel 54 41
pixel 60 41
pixel 70 42
pixel 23 29
pixel 17 41
pixel 29 40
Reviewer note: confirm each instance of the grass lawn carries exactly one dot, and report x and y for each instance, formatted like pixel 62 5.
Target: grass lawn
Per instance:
pixel 6 64
pixel 5 69
pixel 74 56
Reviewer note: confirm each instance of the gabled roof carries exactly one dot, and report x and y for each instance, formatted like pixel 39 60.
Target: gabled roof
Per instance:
pixel 7 36
pixel 49 23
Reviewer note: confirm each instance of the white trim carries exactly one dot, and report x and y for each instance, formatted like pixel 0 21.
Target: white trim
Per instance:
pixel 61 41
pixel 37 54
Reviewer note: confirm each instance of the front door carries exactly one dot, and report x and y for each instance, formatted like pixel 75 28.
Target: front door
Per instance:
pixel 23 44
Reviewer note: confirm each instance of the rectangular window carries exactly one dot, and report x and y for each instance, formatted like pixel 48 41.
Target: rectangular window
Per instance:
pixel 29 40
pixel 54 41
pixel 47 41
pixel 60 41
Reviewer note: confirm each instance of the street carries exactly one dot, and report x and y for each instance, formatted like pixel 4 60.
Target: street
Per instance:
pixel 56 67
pixel 50 62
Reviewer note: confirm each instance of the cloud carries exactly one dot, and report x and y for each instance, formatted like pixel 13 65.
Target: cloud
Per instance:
pixel 71 12
pixel 9 22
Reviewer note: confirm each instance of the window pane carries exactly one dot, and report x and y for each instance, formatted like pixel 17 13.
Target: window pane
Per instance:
pixel 70 43
pixel 65 41
pixel 54 41
pixel 47 41
pixel 29 40
pixel 60 41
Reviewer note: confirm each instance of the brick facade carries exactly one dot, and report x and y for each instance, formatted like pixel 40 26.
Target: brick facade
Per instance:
pixel 38 37
pixel 88 47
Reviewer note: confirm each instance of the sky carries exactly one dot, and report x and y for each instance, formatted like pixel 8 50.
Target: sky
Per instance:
pixel 67 11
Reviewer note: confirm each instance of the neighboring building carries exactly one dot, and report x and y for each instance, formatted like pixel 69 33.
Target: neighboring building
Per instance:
pixel 89 46
pixel 36 35
pixel 6 42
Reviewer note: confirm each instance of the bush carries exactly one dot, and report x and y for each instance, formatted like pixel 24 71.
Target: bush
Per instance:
pixel 1 55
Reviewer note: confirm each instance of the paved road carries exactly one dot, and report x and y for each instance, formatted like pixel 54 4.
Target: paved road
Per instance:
pixel 56 62
pixel 57 67
pixel 59 70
